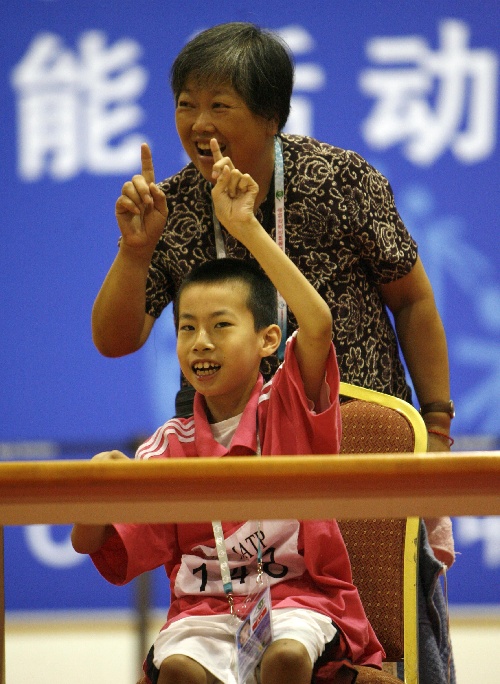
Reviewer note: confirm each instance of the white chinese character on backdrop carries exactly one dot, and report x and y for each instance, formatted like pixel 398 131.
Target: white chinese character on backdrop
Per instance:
pixel 49 550
pixel 75 107
pixel 453 261
pixel 470 530
pixel 433 100
pixel 309 78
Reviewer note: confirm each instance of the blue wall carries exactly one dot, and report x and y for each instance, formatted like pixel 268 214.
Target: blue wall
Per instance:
pixel 84 83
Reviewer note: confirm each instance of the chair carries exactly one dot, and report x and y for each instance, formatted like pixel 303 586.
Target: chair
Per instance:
pixel 384 553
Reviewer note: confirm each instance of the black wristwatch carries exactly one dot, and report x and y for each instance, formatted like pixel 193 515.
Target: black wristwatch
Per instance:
pixel 439 407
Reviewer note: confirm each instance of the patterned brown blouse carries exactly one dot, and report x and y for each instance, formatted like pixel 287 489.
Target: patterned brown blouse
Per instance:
pixel 342 230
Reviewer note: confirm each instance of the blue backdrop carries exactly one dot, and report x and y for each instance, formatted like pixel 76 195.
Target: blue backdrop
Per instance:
pixel 413 89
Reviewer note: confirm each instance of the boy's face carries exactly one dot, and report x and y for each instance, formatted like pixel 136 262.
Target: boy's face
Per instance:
pixel 218 348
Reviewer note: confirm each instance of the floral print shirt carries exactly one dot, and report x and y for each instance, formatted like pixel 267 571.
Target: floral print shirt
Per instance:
pixel 343 232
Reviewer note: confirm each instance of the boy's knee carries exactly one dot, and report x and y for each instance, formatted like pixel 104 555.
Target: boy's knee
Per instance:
pixel 287 655
pixel 181 668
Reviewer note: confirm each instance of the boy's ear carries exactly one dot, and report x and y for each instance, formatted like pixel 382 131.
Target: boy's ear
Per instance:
pixel 271 338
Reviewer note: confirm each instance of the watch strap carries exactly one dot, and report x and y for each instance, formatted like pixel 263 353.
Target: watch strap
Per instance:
pixel 439 407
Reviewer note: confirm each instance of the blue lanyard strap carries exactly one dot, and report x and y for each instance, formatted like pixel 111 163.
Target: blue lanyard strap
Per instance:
pixel 279 217
pixel 279 214
pixel 220 545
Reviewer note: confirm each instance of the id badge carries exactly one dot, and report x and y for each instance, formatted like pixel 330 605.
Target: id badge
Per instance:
pixel 255 632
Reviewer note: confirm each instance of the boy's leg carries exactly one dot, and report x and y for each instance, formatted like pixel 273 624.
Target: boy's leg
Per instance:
pixel 180 668
pixel 286 661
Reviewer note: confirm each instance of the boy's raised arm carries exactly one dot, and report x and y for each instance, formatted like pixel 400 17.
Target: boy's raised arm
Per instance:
pixel 234 195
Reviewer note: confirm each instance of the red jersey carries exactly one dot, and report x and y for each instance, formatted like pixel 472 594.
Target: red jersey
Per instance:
pixel 306 561
pixel 287 424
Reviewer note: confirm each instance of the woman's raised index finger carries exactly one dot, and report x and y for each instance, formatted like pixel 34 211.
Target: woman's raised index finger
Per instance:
pixel 215 149
pixel 147 164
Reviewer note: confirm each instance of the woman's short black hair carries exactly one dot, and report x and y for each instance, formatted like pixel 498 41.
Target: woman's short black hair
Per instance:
pixel 256 62
pixel 262 297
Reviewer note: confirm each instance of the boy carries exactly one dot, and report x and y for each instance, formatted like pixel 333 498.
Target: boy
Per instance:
pixel 225 314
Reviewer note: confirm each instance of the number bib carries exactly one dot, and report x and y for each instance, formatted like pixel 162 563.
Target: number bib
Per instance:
pixel 200 571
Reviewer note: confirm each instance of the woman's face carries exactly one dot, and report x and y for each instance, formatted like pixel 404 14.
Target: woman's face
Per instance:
pixel 219 112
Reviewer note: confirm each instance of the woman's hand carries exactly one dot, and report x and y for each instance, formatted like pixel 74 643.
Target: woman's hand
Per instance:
pixel 141 210
pixel 219 161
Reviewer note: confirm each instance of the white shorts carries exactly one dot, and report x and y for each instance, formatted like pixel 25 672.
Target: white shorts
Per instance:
pixel 210 640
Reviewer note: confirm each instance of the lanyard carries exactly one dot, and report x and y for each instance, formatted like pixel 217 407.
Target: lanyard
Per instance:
pixel 220 546
pixel 279 216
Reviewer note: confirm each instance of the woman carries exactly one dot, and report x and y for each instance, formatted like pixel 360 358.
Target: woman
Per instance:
pixel 331 211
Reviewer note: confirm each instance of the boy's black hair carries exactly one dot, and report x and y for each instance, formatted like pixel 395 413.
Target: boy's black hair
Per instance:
pixel 255 62
pixel 262 297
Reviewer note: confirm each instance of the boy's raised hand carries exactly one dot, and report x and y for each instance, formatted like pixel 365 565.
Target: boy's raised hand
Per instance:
pixel 141 210
pixel 234 196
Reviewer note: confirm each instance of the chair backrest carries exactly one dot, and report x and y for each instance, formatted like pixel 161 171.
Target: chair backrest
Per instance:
pixel 383 553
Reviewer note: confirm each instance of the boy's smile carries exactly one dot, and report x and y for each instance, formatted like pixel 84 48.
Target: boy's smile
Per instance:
pixel 205 368
pixel 218 348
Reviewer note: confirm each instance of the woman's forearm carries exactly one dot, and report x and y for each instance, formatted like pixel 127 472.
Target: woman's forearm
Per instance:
pixel 423 343
pixel 120 324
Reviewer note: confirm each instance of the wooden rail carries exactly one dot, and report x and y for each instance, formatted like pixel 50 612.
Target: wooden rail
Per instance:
pixel 184 490
pixel 188 490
